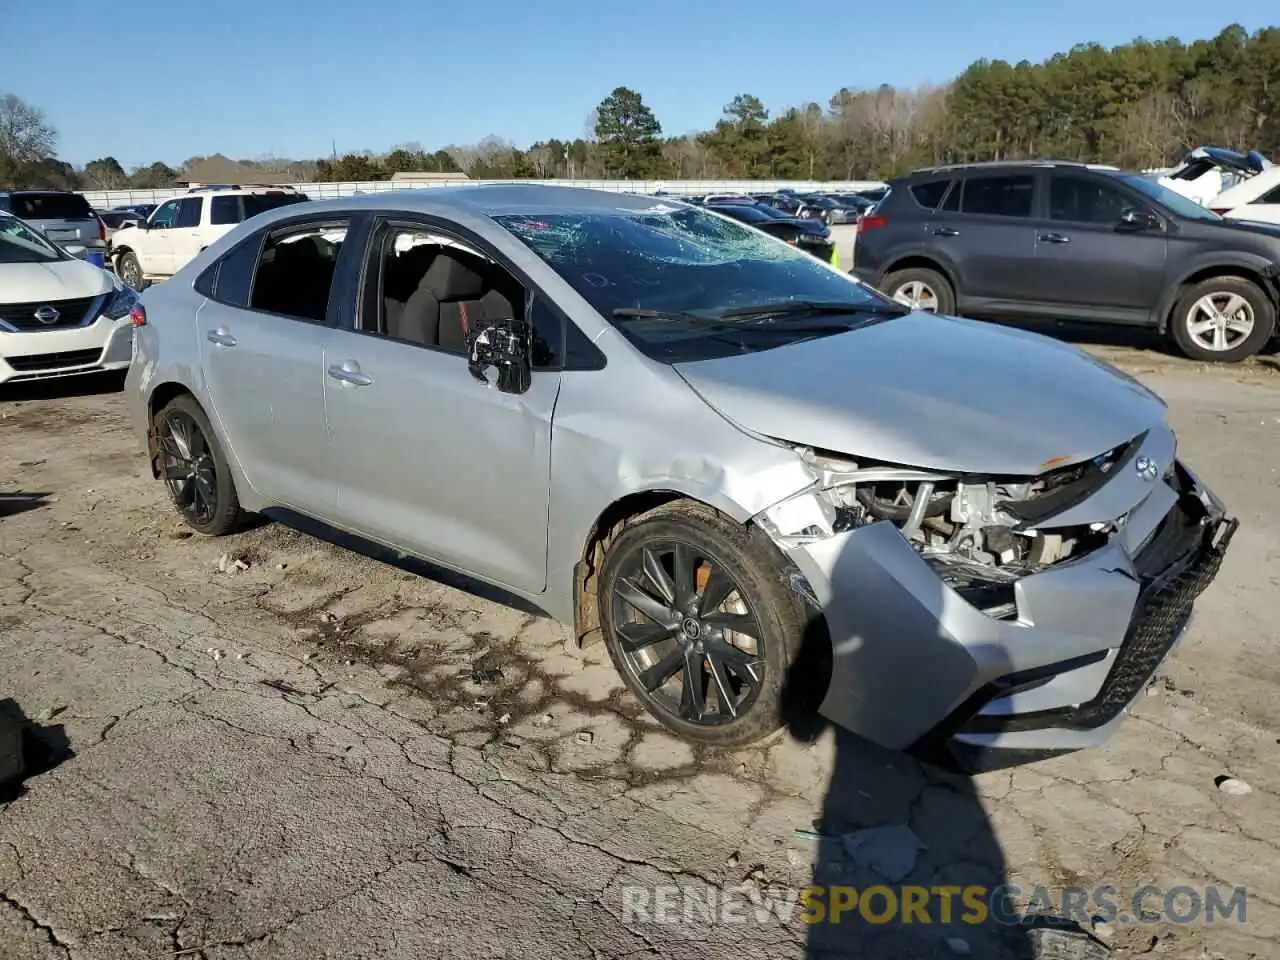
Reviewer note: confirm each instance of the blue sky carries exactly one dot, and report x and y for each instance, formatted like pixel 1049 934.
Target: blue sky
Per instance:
pixel 252 78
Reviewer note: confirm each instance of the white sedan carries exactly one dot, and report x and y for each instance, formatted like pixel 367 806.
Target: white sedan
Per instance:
pixel 59 315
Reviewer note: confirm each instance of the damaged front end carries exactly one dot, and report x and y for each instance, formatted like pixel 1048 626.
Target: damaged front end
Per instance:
pixel 994 596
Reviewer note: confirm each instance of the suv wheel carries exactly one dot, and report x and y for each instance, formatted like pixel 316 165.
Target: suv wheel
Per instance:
pixel 1223 320
pixel 920 289
pixel 129 270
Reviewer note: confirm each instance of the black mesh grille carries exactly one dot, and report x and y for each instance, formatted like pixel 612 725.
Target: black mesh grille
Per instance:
pixel 22 316
pixel 54 361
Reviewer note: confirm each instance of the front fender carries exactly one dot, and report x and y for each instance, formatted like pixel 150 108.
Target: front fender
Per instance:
pixel 1227 262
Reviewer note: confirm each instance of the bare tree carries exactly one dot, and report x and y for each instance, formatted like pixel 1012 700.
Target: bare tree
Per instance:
pixel 25 135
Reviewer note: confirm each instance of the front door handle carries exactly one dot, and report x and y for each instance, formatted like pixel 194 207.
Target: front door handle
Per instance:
pixel 946 232
pixel 221 337
pixel 349 372
pixel 1054 238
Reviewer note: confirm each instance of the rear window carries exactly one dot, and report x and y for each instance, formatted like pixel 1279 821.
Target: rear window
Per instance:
pixel 50 206
pixel 256 203
pixel 929 194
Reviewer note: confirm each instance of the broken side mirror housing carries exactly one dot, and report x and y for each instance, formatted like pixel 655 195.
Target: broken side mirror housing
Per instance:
pixel 1135 218
pixel 504 346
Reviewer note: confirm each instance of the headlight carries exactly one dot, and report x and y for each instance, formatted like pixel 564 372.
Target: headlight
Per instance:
pixel 120 302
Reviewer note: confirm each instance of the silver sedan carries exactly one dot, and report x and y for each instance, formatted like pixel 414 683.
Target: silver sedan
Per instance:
pixel 765 487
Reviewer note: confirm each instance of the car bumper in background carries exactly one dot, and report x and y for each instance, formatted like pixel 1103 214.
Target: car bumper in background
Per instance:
pixel 43 354
pixel 915 666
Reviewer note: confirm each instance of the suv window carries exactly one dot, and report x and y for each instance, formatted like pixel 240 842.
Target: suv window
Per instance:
pixel 225 210
pixel 294 274
pixel 50 206
pixel 1085 200
pixel 999 196
pixel 166 215
pixel 1271 196
pixel 928 194
pixel 189 211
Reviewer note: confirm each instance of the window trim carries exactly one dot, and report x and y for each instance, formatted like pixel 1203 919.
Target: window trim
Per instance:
pixel 1004 217
pixel 410 220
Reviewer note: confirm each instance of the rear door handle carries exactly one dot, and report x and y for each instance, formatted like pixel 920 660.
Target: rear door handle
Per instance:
pixel 946 232
pixel 221 337
pixel 1054 238
pixel 349 372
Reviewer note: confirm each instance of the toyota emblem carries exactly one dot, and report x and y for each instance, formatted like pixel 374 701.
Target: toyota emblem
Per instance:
pixel 1147 468
pixel 46 314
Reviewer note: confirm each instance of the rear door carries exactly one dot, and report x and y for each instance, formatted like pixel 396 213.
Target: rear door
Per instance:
pixel 262 340
pixel 985 225
pixel 1090 263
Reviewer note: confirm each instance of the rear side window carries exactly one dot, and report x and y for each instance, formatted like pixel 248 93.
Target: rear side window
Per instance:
pixel 189 212
pixel 999 196
pixel 295 272
pixel 50 206
pixel 256 203
pixel 929 193
pixel 225 210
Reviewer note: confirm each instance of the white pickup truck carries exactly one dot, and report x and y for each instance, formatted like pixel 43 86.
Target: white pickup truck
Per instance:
pixel 180 228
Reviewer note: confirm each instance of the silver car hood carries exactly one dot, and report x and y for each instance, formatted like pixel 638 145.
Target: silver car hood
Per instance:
pixel 932 391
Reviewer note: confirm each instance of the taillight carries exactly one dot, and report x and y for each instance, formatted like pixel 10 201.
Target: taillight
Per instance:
pixel 867 223
pixel 138 315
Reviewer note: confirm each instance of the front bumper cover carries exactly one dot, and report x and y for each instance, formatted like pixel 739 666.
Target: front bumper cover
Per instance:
pixel 915 666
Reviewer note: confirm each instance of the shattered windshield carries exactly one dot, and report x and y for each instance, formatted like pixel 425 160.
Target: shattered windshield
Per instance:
pixel 657 273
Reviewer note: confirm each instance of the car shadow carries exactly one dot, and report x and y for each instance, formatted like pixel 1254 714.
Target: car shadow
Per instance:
pixel 27 749
pixel 895 828
pixel 62 388
pixel 413 565
pixel 20 502
pixel 1115 335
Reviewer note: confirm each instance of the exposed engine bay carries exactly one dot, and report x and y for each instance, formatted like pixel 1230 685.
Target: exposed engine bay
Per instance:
pixel 980 534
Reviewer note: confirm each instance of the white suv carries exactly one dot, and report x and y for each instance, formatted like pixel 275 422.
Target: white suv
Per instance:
pixel 58 314
pixel 180 228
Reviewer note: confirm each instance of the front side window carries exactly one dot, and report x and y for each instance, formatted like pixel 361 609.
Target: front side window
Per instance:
pixel 1085 200
pixel 999 196
pixel 166 215
pixel 1170 200
pixel 294 274
pixel 683 283
pixel 20 244
pixel 189 210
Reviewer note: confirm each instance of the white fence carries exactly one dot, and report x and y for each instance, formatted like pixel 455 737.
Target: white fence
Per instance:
pixel 109 199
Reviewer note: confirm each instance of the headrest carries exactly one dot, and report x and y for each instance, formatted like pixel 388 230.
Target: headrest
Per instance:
pixel 450 279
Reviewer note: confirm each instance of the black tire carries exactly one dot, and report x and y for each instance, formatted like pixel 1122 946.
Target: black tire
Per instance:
pixel 1222 292
pixel 714 549
pixel 929 279
pixel 199 479
pixel 129 270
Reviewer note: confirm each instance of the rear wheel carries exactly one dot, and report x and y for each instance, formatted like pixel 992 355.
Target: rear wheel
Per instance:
pixel 920 289
pixel 699 624
pixel 1223 320
pixel 194 468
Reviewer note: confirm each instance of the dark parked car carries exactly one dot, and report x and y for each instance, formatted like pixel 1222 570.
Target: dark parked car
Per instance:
pixel 1068 241
pixel 827 209
pixel 807 235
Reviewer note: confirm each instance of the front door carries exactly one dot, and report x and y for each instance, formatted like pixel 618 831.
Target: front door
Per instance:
pixel 1089 262
pixel 429 458
pixel 262 339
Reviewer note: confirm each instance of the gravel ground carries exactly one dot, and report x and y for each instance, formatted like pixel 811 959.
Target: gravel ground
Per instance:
pixel 266 746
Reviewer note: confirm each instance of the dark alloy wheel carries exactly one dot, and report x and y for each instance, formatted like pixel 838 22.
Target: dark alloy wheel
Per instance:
pixel 698 623
pixel 194 469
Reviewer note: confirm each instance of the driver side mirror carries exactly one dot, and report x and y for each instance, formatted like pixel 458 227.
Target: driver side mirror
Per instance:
pixel 1135 218
pixel 504 346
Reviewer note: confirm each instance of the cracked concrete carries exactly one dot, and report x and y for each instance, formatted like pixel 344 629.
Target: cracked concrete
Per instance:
pixel 380 765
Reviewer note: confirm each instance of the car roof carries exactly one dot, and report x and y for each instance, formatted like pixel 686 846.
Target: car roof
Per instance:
pixel 498 199
pixel 997 165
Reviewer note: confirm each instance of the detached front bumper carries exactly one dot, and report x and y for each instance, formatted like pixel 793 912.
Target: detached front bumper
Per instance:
pixel 915 666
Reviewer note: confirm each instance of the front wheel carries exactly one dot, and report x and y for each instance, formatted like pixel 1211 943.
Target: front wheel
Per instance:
pixel 194 468
pixel 129 270
pixel 699 623
pixel 1223 320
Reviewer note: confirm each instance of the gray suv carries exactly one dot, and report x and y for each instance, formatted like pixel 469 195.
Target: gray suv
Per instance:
pixel 65 218
pixel 1067 241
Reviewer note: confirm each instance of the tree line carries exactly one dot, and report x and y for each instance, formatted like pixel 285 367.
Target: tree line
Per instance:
pixel 1142 104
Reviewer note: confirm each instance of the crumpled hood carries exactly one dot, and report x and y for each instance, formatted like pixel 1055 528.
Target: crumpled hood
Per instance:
pixel 63 280
pixel 933 391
